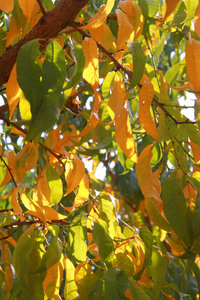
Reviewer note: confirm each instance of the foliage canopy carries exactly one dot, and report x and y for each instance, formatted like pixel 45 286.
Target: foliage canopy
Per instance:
pixel 89 84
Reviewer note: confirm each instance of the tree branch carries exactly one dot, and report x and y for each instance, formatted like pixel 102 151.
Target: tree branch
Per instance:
pixel 48 27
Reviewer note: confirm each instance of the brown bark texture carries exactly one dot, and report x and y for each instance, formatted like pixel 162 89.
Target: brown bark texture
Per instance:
pixel 48 27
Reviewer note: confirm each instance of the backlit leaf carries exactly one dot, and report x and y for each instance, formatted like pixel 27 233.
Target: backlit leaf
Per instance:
pixel 193 62
pixel 77 238
pixel 70 289
pixel 12 91
pixel 145 118
pixel 27 8
pixel 176 208
pixel 74 172
pixel 148 181
pixel 91 71
pixel 139 61
pixel 171 5
pixel 55 185
pixel 7 5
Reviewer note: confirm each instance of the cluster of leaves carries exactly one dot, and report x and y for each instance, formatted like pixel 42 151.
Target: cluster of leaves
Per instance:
pixel 105 92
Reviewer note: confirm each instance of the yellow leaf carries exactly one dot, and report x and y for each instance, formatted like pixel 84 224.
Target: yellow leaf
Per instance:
pixel 85 279
pixel 193 62
pixel 24 108
pixel 91 71
pixel 83 192
pixel 94 118
pixel 53 280
pixel 70 289
pixel 101 16
pixel 117 98
pixel 12 91
pixel 15 204
pixel 170 7
pixel 42 184
pixel 27 8
pixel 6 5
pixel 124 136
pixel 149 183
pixel 74 172
pixel 145 118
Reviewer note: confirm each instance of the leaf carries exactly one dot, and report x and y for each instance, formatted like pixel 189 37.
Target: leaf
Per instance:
pixel 7 5
pixel 53 280
pixel 85 279
pixel 55 185
pixel 77 238
pixel 196 219
pixel 155 215
pixel 74 172
pixel 27 258
pixel 101 16
pixel 106 86
pixel 116 283
pixel 145 118
pixel 27 8
pixel 147 238
pixel 29 74
pixel 91 71
pixel 171 5
pixel 70 289
pixel 176 208
pixel 193 62
pixel 12 91
pixel 103 241
pixel 117 98
pixel 158 270
pixel 106 207
pixel 139 61
pixel 79 59
pixel 124 136
pixel 148 181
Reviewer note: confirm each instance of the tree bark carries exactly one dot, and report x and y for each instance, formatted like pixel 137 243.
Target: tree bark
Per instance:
pixel 48 27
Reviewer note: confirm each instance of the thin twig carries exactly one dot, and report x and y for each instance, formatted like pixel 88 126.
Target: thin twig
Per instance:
pixel 42 7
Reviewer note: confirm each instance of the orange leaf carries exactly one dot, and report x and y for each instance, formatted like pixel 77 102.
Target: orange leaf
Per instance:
pixel 9 239
pixel 124 136
pixel 94 118
pixel 196 154
pixel 145 118
pixel 104 36
pixel 27 8
pixel 193 62
pixel 149 183
pixel 6 5
pixel 91 71
pixel 136 18
pixel 197 20
pixel 15 204
pixel 74 172
pixel 12 91
pixel 101 16
pixel 13 31
pixel 171 5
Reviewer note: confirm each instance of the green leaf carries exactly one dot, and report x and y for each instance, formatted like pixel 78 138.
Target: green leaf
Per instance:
pixel 106 86
pixel 27 258
pixel 29 74
pixel 153 7
pixel 158 270
pixel 55 185
pixel 144 7
pixel 77 238
pixel 172 73
pixel 116 283
pixel 79 59
pixel 103 241
pixel 106 206
pixel 147 238
pixel 47 116
pixel 155 214
pixel 139 61
pixel 196 218
pixel 137 291
pixel 54 70
pixel 176 207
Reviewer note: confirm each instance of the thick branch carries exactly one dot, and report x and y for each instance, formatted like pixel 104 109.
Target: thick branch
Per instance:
pixel 48 27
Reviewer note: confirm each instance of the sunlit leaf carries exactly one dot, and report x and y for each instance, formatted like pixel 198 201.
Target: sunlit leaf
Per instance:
pixel 7 5
pixel 176 208
pixel 27 7
pixel 71 289
pixel 55 185
pixel 193 62
pixel 145 118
